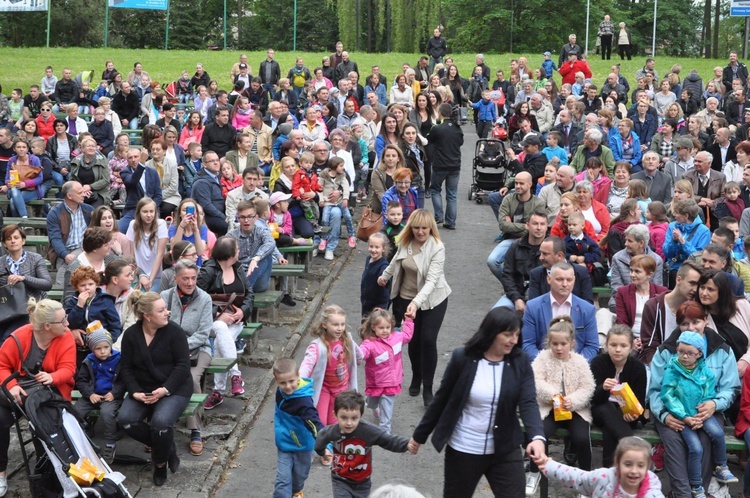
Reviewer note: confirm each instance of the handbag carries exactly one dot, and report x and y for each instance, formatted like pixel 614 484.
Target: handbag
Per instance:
pixel 227 302
pixel 27 172
pixel 13 301
pixel 370 223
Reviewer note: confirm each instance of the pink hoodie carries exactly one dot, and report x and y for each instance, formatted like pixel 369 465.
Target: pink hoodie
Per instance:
pixel 384 366
pixel 658 233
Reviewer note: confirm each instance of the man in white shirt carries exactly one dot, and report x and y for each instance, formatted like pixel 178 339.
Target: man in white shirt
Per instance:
pixel 251 177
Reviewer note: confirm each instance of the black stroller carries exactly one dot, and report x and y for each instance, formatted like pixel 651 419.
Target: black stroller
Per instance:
pixel 489 170
pixel 60 441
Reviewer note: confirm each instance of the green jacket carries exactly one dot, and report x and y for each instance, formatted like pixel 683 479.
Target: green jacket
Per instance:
pixel 606 156
pixel 508 207
pixel 682 390
pixel 101 176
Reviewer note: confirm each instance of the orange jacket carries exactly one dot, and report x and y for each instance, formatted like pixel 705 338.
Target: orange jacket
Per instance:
pixel 59 362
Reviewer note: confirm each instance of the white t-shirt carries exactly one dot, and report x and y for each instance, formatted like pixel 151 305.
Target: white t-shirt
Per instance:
pixel 640 302
pixel 145 255
pixel 474 432
pixel 589 215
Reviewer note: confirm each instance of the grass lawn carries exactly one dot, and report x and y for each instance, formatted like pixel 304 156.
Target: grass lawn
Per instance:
pixel 25 66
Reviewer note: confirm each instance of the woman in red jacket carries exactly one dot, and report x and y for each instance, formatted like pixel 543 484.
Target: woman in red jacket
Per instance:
pixel 45 122
pixel 630 299
pixel 47 351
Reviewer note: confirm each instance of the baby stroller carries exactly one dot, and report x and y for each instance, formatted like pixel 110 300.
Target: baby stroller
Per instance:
pixel 489 168
pixel 56 429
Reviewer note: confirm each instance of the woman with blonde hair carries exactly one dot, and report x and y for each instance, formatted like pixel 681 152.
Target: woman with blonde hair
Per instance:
pixel 161 392
pixel 420 292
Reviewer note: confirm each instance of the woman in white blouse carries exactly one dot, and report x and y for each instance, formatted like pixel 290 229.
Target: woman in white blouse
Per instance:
pixel 401 93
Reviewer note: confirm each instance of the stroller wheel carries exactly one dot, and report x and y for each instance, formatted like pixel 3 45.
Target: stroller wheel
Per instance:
pixel 472 193
pixel 479 200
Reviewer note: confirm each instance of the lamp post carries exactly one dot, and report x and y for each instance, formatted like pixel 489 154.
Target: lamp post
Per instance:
pixel 653 35
pixel 588 10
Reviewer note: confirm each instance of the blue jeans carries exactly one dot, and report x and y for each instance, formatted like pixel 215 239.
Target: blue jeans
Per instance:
pixel 260 278
pixel 335 223
pixel 59 179
pixel 695 449
pixel 292 470
pixel 124 223
pixel 343 213
pixel 451 191
pixel 184 98
pixel 271 92
pixel 433 62
pixel 159 432
pixel 133 124
pixel 18 200
pixel 497 257
pixel 505 302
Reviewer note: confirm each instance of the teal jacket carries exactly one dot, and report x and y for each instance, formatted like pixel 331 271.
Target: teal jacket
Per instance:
pixel 719 359
pixel 296 421
pixel 682 390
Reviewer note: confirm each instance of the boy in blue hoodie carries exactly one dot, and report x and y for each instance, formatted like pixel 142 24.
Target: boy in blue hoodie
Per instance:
pixel 296 424
pixel 100 387
pixel 548 65
pixel 486 113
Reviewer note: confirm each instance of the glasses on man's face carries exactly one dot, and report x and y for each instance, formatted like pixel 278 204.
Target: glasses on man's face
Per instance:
pixel 61 322
pixel 246 218
pixel 46 110
pixel 403 183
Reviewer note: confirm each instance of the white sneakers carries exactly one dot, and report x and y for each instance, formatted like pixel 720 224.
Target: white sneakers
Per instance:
pixel 329 255
pixel 3 485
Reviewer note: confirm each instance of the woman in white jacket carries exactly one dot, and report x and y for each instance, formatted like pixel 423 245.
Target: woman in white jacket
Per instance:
pixel 419 289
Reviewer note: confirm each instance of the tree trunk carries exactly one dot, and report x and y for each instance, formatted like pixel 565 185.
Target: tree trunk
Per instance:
pixel 717 15
pixel 707 29
pixel 370 25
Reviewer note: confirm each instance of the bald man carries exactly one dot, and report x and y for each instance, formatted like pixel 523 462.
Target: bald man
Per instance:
pixel 514 212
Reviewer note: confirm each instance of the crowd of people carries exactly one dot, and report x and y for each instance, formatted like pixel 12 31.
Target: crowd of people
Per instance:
pixel 644 191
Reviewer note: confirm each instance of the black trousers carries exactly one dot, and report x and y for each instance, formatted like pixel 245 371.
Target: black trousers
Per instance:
pixel 606 46
pixel 624 50
pixel 217 225
pixel 463 472
pixel 608 416
pixel 484 128
pixel 580 438
pixel 423 346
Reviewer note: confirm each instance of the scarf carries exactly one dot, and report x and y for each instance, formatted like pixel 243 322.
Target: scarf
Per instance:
pixel 417 156
pixel 735 207
pixel 286 181
pixel 159 169
pixel 243 111
pixel 14 267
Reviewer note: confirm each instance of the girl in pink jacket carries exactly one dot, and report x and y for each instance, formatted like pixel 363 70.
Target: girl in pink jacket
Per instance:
pixel 382 348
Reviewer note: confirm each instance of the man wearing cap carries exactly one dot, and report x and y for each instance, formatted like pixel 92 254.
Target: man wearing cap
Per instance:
pixel 569 47
pixel 573 65
pixel 243 75
pixel 677 166
pixel 534 161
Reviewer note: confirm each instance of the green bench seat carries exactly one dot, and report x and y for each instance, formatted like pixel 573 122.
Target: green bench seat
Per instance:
pixel 301 254
pixel 36 223
pixel 221 365
pixel 55 294
pixel 287 270
pixel 269 299
pixel 37 240
pixel 250 329
pixel 196 403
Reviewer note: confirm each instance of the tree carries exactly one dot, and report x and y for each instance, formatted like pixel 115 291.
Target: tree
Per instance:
pixel 187 26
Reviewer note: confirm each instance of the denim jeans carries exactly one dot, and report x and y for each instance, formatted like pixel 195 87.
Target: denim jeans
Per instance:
pixel 292 470
pixel 345 214
pixel 335 223
pixel 451 192
pixel 58 178
pixel 18 200
pixel 260 278
pixel 433 62
pixel 497 257
pixel 695 449
pixel 127 217
pixel 269 87
pixel 184 98
pixel 133 124
pixel 159 432
pixel 504 302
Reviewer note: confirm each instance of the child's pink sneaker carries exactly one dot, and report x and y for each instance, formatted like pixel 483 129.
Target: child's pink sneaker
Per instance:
pixel 323 244
pixel 352 241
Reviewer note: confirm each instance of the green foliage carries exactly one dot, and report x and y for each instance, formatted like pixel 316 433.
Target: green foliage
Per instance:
pixel 272 25
pixel 137 28
pixel 187 25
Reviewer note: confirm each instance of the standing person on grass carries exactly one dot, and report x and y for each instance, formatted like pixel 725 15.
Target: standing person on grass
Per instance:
pixel 419 291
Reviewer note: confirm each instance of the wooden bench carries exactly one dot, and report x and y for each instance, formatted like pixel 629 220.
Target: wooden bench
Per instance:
pixel 650 435
pixel 55 294
pixel 301 254
pixel 37 240
pixel 220 365
pixel 196 403
pixel 35 223
pixel 250 333
pixel 292 271
pixel 266 300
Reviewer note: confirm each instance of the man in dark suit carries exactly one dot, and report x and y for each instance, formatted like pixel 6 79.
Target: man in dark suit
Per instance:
pixel 708 184
pixel 736 110
pixel 569 131
pixel 551 252
pixel 722 150
pixel 658 182
pixel 560 300
pixel 139 182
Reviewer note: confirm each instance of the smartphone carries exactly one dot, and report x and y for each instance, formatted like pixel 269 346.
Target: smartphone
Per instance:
pixel 190 210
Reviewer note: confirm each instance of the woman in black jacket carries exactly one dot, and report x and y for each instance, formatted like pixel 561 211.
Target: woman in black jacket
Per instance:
pixel 416 160
pixel 506 384
pixel 155 368
pixel 222 274
pixel 616 366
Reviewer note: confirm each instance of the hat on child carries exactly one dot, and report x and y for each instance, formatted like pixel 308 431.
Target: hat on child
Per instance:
pixel 693 339
pixel 547 54
pixel 98 336
pixel 285 128
pixel 278 197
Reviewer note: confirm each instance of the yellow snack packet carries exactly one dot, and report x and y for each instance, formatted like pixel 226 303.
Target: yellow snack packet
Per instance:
pixel 560 412
pixel 89 466
pixel 80 475
pixel 627 400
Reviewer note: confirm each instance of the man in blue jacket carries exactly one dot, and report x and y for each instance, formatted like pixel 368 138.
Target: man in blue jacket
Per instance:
pixel 560 301
pixel 66 223
pixel 207 193
pixel 139 182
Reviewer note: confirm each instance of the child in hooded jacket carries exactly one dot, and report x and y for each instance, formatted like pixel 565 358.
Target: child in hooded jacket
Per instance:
pixel 382 347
